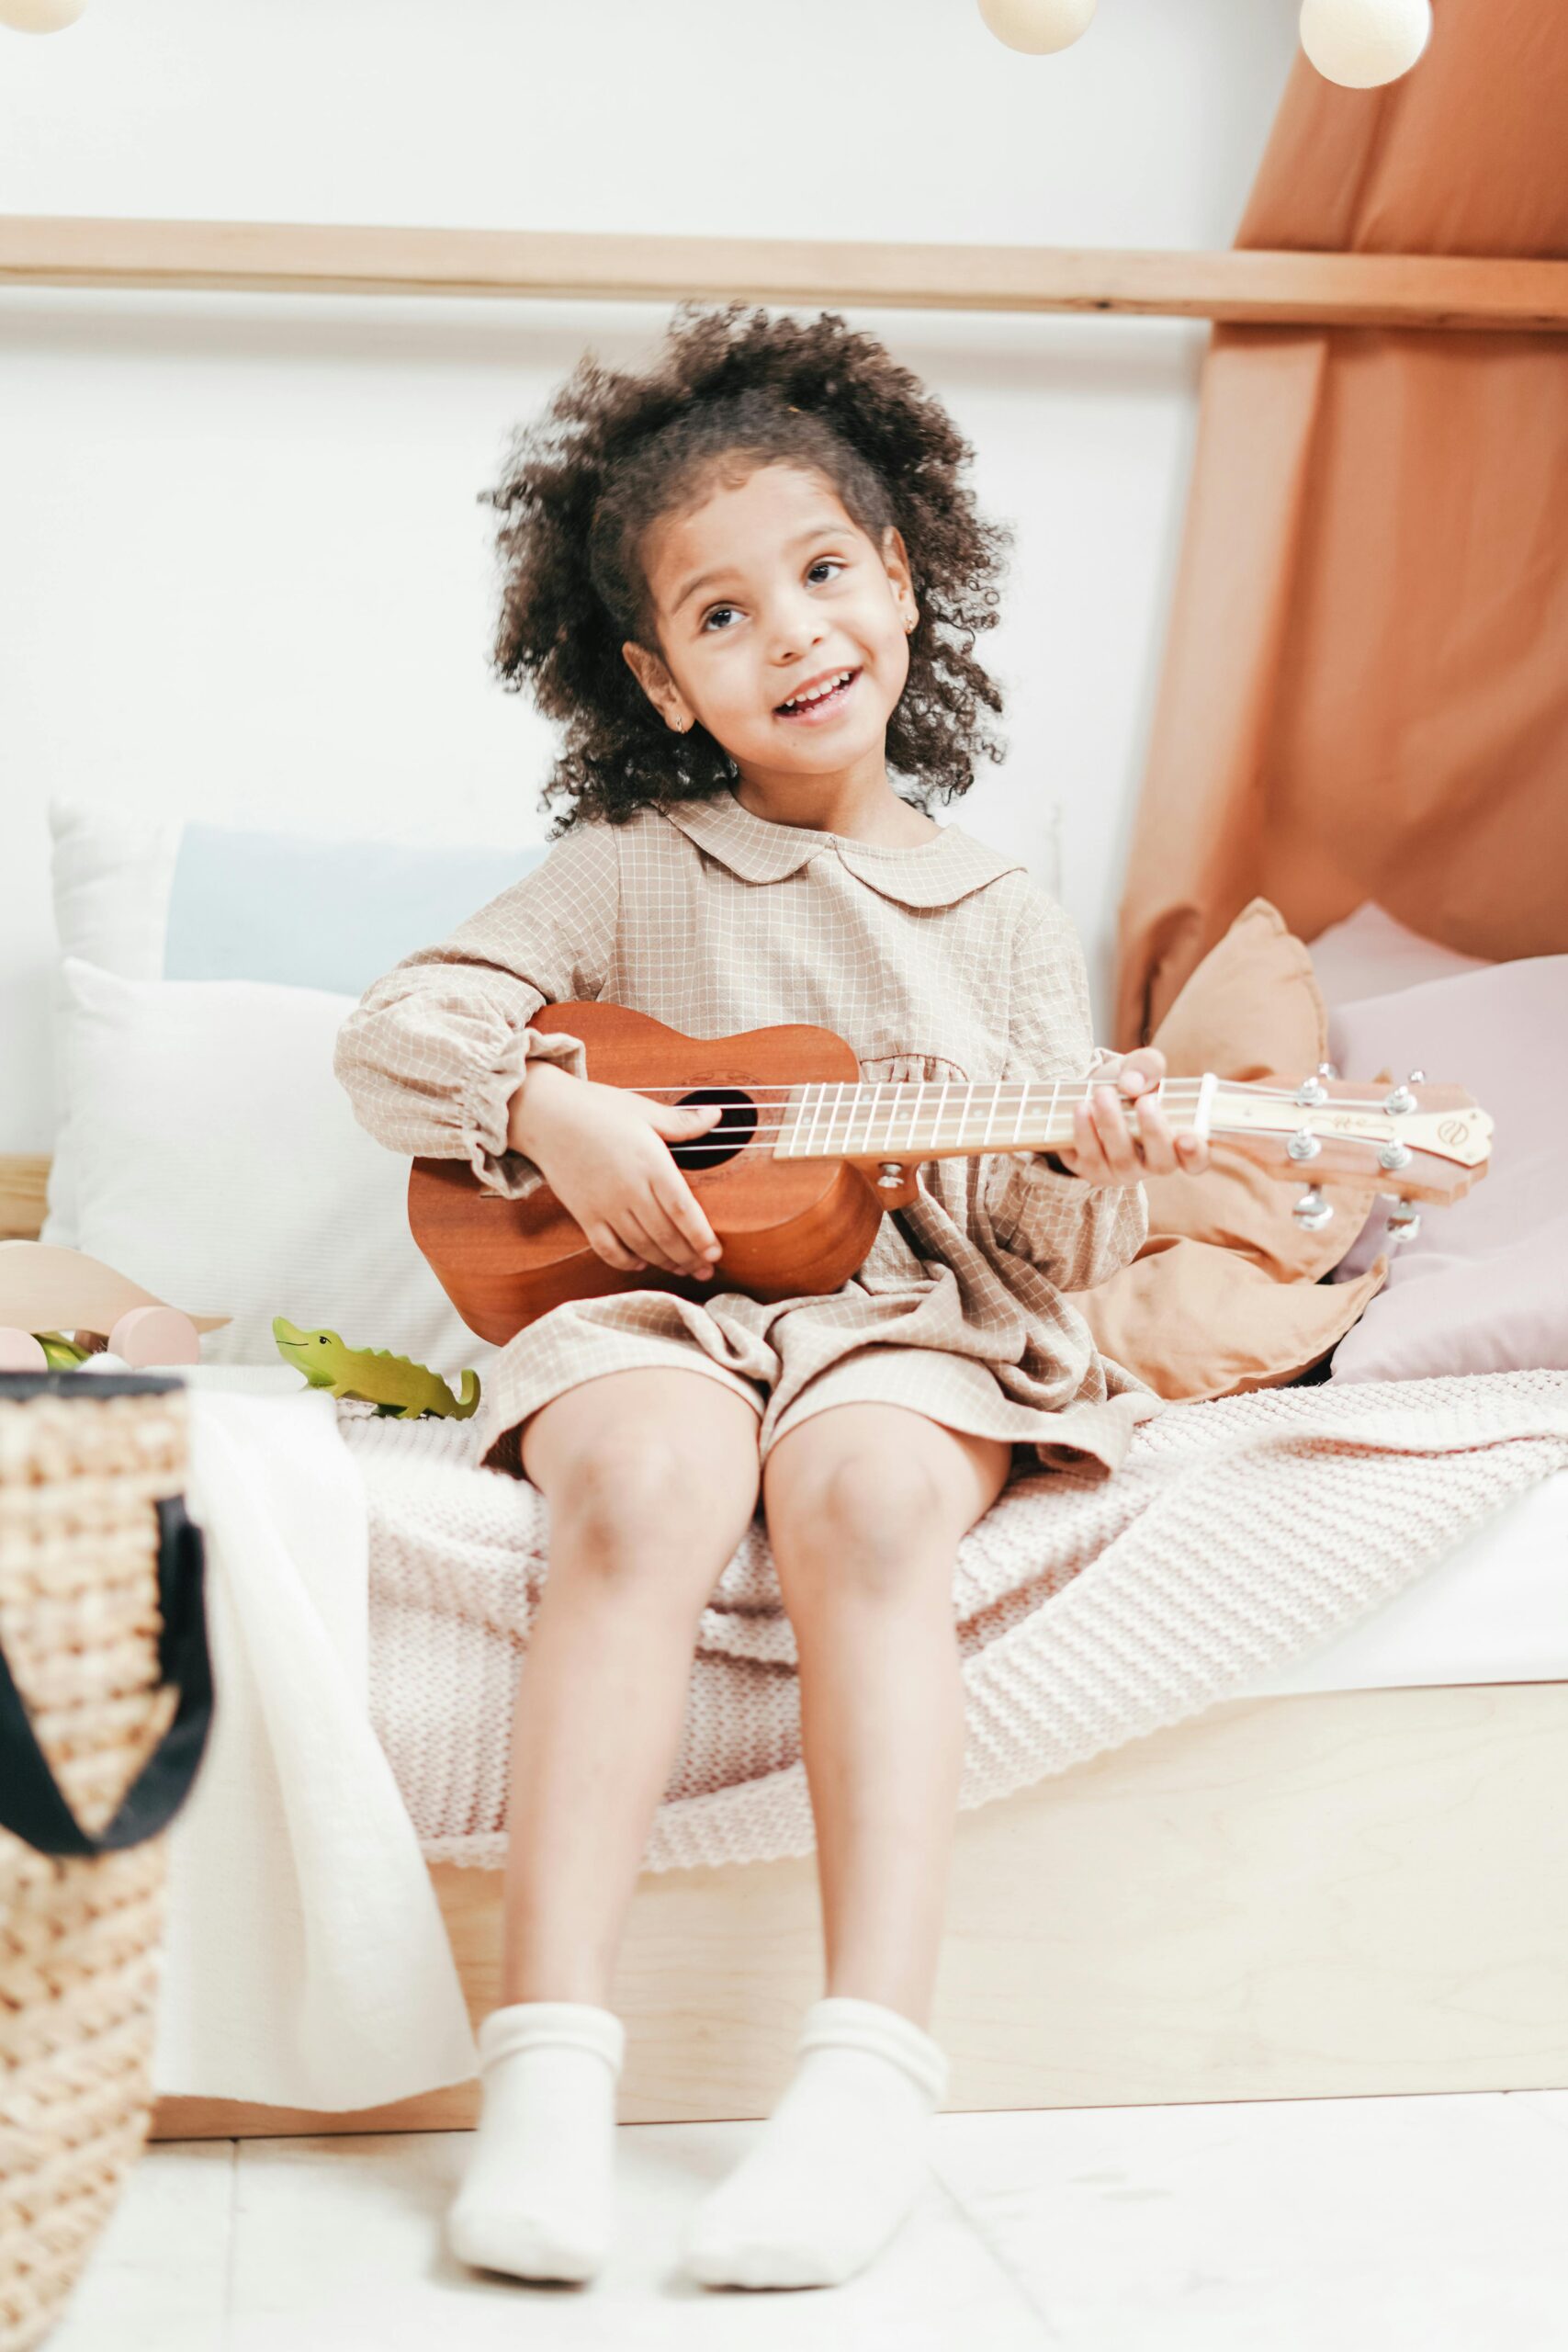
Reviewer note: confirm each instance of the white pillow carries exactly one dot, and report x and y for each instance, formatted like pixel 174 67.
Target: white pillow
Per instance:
pixel 213 1157
pixel 184 900
pixel 177 900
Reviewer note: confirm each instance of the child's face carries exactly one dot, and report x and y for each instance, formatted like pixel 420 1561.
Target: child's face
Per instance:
pixel 762 592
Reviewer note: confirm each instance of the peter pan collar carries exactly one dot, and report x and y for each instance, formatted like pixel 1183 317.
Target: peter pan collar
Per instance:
pixel 935 873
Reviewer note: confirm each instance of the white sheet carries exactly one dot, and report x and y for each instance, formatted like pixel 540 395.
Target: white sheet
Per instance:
pixel 306 1960
pixel 1494 1609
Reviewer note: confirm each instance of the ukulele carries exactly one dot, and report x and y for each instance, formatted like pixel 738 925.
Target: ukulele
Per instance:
pixel 795 1174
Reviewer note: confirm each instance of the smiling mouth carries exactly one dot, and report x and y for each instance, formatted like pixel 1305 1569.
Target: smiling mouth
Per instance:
pixel 821 699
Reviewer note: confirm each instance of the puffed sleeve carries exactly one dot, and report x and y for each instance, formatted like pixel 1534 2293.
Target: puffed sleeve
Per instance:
pixel 433 1052
pixel 1076 1233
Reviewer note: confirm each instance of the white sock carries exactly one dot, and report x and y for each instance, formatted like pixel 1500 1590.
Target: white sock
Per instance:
pixel 838 2165
pixel 536 2198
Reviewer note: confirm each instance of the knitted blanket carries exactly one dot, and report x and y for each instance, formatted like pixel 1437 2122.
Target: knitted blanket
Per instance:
pixel 1089 1611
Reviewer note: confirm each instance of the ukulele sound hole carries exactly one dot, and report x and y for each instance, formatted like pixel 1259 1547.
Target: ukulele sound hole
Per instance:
pixel 737 1125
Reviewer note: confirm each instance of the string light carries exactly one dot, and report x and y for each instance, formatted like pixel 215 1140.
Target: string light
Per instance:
pixel 1363 43
pixel 1038 27
pixel 1358 43
pixel 39 15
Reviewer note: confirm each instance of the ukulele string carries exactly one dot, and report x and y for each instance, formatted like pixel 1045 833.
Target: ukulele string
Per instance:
pixel 1010 1098
pixel 913 1153
pixel 904 1102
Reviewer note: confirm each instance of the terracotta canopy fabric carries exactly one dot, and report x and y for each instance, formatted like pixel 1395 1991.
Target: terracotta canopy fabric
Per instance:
pixel 1365 692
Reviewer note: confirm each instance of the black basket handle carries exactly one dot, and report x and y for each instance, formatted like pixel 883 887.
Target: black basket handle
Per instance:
pixel 31 1805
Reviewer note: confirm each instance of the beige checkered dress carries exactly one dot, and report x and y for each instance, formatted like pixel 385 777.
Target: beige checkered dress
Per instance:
pixel 939 961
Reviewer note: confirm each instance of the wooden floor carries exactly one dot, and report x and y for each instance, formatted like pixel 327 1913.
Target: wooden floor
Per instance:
pixel 1325 2225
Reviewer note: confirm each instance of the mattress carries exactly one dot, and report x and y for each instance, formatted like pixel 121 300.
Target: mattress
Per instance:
pixel 1494 1609
pixel 1395 1533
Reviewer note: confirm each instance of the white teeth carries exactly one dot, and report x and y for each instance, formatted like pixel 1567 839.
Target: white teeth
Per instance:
pixel 828 686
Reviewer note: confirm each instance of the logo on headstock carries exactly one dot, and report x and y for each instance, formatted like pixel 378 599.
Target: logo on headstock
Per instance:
pixel 1454 1132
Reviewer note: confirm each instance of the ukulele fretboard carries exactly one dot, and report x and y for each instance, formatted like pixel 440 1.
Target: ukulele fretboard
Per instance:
pixel 922 1122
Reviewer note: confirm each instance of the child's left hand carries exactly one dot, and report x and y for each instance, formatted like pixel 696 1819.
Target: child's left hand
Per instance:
pixel 1104 1150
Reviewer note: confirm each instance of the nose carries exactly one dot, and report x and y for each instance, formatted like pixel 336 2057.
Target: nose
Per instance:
pixel 795 625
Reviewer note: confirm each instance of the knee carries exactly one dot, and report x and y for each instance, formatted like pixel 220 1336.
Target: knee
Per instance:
pixel 853 1528
pixel 629 1509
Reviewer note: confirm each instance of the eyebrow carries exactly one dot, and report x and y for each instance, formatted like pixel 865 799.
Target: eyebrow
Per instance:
pixel 709 579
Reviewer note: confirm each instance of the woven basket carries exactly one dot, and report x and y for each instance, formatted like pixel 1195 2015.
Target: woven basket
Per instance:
pixel 105 1701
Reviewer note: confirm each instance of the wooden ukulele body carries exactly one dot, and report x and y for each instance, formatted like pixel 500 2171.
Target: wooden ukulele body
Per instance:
pixel 787 1228
pixel 796 1175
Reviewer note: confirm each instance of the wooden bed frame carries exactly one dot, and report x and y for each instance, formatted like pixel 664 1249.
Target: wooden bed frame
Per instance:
pixel 1345 1893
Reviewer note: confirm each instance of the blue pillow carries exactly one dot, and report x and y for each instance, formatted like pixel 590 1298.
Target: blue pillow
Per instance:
pixel 320 914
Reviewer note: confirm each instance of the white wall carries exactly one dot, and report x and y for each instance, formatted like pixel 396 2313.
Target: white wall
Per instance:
pixel 243 573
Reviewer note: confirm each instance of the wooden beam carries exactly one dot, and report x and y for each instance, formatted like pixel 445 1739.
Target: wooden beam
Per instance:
pixel 23 1182
pixel 1255 288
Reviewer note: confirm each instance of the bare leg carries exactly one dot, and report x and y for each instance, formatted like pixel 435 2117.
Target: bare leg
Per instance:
pixel 651 1478
pixel 865 1505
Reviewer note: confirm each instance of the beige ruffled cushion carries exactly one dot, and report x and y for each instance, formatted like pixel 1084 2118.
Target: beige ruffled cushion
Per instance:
pixel 1227 1293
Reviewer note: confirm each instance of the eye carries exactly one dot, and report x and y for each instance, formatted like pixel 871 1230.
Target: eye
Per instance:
pixel 716 612
pixel 826 563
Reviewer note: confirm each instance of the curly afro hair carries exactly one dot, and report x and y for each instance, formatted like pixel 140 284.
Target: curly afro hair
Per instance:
pixel 615 452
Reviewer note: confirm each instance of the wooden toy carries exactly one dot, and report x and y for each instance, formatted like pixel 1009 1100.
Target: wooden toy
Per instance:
pixel 69 1305
pixel 155 1335
pixel 19 1352
pixel 393 1383
pixel 64 1354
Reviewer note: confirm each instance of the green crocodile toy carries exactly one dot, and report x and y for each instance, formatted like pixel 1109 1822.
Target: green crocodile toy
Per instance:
pixel 390 1383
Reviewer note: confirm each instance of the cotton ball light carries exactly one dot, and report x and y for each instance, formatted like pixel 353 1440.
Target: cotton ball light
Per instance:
pixel 40 15
pixel 1362 43
pixel 1037 27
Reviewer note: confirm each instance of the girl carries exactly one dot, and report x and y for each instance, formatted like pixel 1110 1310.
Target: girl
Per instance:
pixel 749 581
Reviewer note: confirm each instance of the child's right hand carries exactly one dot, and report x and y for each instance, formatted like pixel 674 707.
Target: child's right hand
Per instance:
pixel 602 1150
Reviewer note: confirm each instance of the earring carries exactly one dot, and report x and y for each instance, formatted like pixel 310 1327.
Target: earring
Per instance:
pixel 911 623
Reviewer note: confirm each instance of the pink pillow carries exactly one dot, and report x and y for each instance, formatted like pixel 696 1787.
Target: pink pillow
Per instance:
pixel 1370 952
pixel 1485 1285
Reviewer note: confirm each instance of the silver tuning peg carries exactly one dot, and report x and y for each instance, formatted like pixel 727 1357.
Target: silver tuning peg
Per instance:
pixel 1313 1210
pixel 1310 1093
pixel 1417 1078
pixel 1404 1223
pixel 1328 1069
pixel 1399 1101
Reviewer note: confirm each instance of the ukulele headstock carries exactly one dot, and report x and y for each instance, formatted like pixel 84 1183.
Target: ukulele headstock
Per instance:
pixel 1415 1141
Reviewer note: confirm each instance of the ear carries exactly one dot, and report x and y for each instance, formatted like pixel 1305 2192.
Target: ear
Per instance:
pixel 659 686
pixel 896 562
